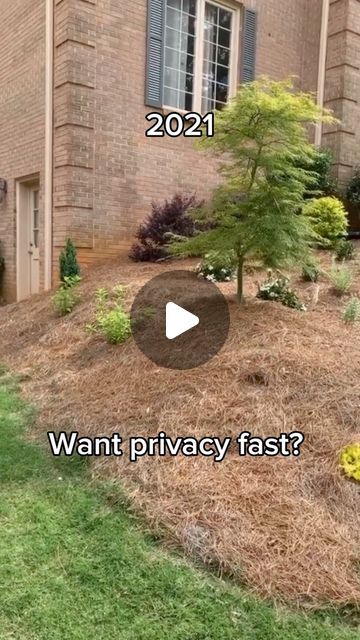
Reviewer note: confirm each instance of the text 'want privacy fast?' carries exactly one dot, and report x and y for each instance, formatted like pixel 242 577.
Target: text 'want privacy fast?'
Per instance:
pixel 160 446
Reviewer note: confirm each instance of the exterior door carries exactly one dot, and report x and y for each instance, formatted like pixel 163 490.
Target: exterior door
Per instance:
pixel 34 231
pixel 28 239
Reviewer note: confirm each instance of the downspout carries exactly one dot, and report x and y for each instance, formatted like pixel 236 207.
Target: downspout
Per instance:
pixel 49 121
pixel 322 66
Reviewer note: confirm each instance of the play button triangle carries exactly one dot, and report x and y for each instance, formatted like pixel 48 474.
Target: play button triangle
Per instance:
pixel 179 321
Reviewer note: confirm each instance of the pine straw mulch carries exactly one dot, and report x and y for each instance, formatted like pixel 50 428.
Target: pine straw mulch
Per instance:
pixel 289 528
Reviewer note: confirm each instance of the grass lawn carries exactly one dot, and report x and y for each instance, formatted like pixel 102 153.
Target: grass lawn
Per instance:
pixel 75 565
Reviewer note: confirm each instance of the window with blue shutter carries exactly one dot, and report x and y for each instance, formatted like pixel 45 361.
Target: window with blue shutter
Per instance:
pixel 193 51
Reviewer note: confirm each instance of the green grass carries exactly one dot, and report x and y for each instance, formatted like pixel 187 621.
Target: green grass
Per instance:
pixel 76 565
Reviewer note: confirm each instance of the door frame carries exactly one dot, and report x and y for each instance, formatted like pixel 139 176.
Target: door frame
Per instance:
pixel 22 221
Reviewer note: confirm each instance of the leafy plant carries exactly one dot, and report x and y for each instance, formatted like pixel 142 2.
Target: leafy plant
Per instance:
pixel 278 289
pixel 344 250
pixel 111 320
pixel 350 461
pixel 67 297
pixel 328 219
pixel 258 208
pixel 352 311
pixel 341 279
pixel 353 189
pixel 173 218
pixel 311 271
pixel 324 183
pixel 69 266
pixel 217 267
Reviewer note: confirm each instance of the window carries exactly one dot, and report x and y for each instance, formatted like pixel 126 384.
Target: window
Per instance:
pixel 201 54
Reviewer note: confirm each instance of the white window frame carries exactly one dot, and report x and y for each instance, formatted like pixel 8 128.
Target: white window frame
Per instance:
pixel 230 5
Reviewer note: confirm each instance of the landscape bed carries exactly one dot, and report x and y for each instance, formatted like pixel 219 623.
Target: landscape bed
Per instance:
pixel 288 528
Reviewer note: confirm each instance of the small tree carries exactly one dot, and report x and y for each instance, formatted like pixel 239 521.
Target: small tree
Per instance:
pixel 69 266
pixel 262 136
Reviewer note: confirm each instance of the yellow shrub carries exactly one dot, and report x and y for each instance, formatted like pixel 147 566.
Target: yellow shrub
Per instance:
pixel 350 461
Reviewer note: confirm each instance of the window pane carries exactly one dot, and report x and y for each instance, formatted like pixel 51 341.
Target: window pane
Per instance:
pixel 225 19
pixel 188 24
pixel 36 199
pixel 36 239
pixel 172 38
pixel 172 58
pixel 189 6
pixel 216 64
pixel 223 56
pixel 171 78
pixel 36 219
pixel 224 38
pixel 173 19
pixel 222 74
pixel 187 63
pixel 171 97
pixel 179 53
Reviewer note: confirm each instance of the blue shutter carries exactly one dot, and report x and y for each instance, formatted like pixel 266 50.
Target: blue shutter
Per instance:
pixel 155 53
pixel 249 46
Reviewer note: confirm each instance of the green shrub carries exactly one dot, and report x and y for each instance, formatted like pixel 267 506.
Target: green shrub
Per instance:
pixel 278 290
pixel 341 279
pixel 66 297
pixel 352 310
pixel 69 266
pixel 344 250
pixel 353 190
pixel 328 218
pixel 324 182
pixel 218 266
pixel 111 321
pixel 311 271
pixel 114 325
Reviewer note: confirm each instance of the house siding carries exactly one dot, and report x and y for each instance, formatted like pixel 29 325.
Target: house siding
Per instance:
pixel 106 172
pixel 22 115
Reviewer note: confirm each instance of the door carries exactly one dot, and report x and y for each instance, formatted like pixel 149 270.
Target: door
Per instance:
pixel 28 239
pixel 34 232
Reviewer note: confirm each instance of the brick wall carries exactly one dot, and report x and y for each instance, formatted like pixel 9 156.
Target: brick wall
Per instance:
pixel 106 171
pixel 22 64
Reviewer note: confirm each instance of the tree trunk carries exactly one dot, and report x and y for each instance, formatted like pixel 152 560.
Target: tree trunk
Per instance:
pixel 240 280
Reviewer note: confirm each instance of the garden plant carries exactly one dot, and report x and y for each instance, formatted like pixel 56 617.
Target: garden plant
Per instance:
pixel 262 138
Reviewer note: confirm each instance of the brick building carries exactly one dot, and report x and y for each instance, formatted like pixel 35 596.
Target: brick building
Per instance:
pixel 78 77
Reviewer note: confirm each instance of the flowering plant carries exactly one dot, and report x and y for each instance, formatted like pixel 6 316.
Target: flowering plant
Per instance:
pixel 217 267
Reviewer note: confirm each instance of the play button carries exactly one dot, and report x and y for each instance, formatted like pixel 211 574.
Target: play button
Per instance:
pixel 180 321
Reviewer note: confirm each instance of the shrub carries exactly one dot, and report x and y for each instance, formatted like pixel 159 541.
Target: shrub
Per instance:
pixel 341 279
pixel 278 290
pixel 69 266
pixel 217 266
pixel 311 271
pixel 66 297
pixel 111 321
pixel 114 325
pixel 328 219
pixel 350 461
pixel 344 250
pixel 352 311
pixel 169 219
pixel 353 190
pixel 321 164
